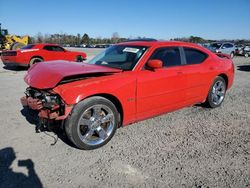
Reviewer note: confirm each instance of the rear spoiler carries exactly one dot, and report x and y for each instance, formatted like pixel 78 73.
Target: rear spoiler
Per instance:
pixel 221 55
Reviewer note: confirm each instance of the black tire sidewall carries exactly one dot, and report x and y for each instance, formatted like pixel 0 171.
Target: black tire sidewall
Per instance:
pixel 232 55
pixel 79 58
pixel 209 101
pixel 35 60
pixel 72 121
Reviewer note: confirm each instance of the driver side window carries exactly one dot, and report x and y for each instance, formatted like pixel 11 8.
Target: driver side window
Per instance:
pixel 170 56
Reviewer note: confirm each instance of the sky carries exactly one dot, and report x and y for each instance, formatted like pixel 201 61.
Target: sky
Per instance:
pixel 160 19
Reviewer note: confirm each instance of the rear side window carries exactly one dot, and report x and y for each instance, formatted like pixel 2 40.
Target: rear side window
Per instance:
pixel 169 56
pixel 49 48
pixel 58 49
pixel 194 56
pixel 53 48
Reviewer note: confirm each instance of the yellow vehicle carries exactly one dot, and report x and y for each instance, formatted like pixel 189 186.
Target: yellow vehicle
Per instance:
pixel 11 42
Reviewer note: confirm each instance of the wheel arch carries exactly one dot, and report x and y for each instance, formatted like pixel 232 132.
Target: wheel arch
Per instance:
pixel 225 77
pixel 36 56
pixel 112 99
pixel 80 56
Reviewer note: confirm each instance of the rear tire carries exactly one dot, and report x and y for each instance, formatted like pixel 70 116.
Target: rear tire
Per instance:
pixel 246 55
pixel 232 55
pixel 216 93
pixel 79 58
pixel 35 60
pixel 92 123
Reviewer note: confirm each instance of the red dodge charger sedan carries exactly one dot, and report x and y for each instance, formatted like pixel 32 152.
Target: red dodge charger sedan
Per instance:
pixel 126 83
pixel 34 53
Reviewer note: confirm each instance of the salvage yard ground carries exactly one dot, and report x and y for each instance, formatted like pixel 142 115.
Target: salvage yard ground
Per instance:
pixel 192 147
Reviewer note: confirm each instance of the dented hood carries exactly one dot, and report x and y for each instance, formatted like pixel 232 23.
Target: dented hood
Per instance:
pixel 45 75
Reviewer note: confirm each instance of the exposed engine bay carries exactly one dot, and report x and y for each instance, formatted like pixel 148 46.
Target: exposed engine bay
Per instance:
pixel 49 105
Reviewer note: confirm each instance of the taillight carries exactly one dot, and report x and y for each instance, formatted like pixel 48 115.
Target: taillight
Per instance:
pixel 9 53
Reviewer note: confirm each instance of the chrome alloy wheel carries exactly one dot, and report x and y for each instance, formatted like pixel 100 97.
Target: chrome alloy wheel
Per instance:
pixel 218 92
pixel 96 124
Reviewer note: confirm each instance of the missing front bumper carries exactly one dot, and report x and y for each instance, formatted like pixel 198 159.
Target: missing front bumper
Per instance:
pixel 53 113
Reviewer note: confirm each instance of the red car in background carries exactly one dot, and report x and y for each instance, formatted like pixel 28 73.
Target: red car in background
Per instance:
pixel 126 83
pixel 34 53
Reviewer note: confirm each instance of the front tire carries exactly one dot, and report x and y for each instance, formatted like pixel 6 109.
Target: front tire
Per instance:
pixel 216 93
pixel 92 123
pixel 246 55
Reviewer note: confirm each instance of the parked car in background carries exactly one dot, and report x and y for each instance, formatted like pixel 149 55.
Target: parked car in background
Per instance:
pixel 239 49
pixel 83 45
pixel 34 53
pixel 102 45
pixel 223 47
pixel 126 83
pixel 246 50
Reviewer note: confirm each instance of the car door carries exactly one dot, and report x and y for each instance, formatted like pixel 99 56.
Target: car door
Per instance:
pixel 54 52
pixel 195 71
pixel 163 89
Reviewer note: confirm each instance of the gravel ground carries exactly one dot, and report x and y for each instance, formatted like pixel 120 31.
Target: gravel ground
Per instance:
pixel 192 147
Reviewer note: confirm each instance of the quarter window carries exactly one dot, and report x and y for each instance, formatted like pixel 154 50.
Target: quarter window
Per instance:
pixel 194 56
pixel 169 56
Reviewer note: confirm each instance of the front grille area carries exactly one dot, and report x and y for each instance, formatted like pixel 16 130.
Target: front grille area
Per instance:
pixel 30 92
pixel 9 53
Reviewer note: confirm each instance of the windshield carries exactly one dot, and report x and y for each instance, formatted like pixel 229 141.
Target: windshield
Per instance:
pixel 29 46
pixel 119 56
pixel 216 45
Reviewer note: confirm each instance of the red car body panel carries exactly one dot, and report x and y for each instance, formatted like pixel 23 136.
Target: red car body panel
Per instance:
pixel 142 93
pixel 121 86
pixel 55 71
pixel 23 56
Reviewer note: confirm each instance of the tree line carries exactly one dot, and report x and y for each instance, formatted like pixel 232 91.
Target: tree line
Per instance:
pixel 78 39
pixel 195 39
pixel 66 39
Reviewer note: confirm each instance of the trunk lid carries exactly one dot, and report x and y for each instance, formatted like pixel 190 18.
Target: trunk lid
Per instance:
pixel 222 55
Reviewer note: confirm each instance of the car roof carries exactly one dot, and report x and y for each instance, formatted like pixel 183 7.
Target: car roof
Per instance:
pixel 160 43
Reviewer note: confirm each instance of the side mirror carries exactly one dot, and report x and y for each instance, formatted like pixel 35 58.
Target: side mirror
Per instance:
pixel 154 64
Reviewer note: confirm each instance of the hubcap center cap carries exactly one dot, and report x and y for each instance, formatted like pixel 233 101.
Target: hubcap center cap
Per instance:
pixel 96 123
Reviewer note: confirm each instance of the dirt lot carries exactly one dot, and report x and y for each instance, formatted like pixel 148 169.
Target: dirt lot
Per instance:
pixel 192 147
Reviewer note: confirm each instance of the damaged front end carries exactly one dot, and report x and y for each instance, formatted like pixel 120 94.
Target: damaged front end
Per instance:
pixel 48 104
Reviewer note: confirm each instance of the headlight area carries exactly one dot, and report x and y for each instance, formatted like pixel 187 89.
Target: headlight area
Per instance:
pixel 48 104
